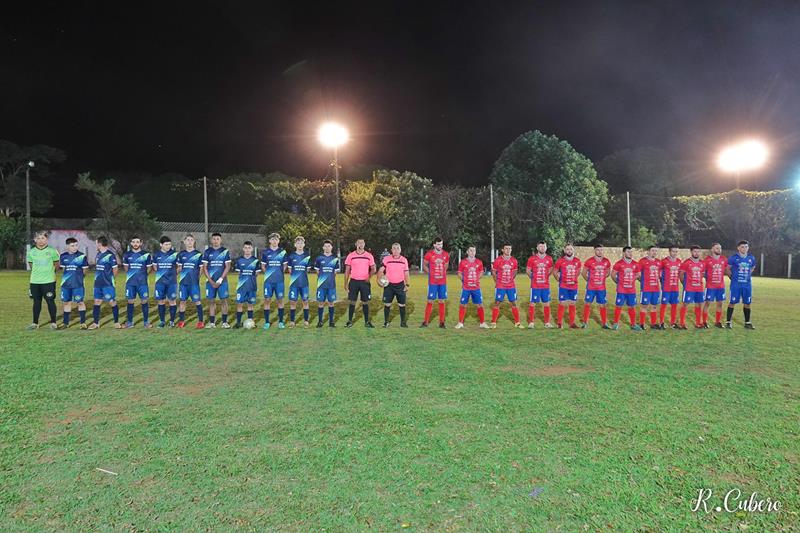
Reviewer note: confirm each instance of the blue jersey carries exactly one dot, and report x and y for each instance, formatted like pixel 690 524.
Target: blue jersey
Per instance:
pixel 105 263
pixel 190 267
pixel 137 263
pixel 248 268
pixel 73 265
pixel 273 260
pixel 298 269
pixel 741 269
pixel 215 259
pixel 165 266
pixel 326 266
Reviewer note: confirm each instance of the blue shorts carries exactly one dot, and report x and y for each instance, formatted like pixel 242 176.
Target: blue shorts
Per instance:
pixel 72 295
pixel 108 294
pixel 715 295
pixel 695 297
pixel 132 291
pixel 500 295
pixel 298 292
pixel 166 291
pixel 670 297
pixel 474 295
pixel 651 297
pixel 220 292
pixel 245 297
pixel 437 292
pixel 628 299
pixel 326 294
pixel 595 296
pixel 743 293
pixel 540 295
pixel 189 292
pixel 567 295
pixel 275 289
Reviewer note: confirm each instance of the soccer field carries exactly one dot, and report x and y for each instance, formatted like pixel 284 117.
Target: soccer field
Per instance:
pixel 344 429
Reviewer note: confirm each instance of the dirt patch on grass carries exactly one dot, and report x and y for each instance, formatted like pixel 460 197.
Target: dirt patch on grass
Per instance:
pixel 546 371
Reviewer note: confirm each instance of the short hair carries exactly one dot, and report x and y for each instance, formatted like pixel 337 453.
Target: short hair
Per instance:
pixel 216 234
pixel 471 246
pixel 713 244
pixel 136 237
pixel 188 235
pixel 671 246
pixel 274 235
pixel 102 240
pixel 598 245
pixel 326 241
pixel 626 248
pixel 652 246
pixel 541 242
pixel 568 244
pixel 71 240
pixel 40 233
pixel 247 243
pixel 741 243
pixel 435 240
pixel 396 243
pixel 694 247
pixel 299 238
pixel 507 244
pixel 164 239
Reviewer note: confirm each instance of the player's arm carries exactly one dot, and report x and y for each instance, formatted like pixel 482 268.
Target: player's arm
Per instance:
pixel 585 273
pixel 425 268
pixel 615 276
pixel 371 268
pixel 407 279
pixel 347 277
pixel 225 270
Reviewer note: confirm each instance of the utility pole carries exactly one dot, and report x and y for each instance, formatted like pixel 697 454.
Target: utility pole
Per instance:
pixel 628 200
pixel 205 209
pixel 491 219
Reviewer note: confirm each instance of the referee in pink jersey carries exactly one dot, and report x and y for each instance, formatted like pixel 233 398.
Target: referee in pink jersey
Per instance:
pixel 395 267
pixel 359 266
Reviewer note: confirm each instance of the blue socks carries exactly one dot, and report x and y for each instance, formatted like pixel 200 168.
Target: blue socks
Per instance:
pixel 66 317
pixel 82 314
pixel 280 314
pixel 114 311
pixel 330 315
pixel 172 310
pixel 130 313
pixel 146 312
pixel 96 314
pixel 199 313
pixel 320 313
pixel 305 315
pixel 162 312
pixel 238 318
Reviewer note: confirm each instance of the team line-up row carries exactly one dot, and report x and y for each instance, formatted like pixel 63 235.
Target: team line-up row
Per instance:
pixel 177 280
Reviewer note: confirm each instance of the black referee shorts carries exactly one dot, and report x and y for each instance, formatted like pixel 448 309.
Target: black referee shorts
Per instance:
pixel 395 290
pixel 360 288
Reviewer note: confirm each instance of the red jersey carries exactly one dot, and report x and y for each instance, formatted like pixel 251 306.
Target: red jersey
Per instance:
pixel 598 270
pixel 715 271
pixel 570 269
pixel 506 270
pixel 651 274
pixel 626 276
pixel 695 272
pixel 437 267
pixel 540 271
pixel 471 272
pixel 671 274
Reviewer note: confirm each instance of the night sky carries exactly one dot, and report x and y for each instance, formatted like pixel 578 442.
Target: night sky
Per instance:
pixel 207 88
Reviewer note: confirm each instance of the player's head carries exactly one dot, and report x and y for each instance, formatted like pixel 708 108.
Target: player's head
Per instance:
pixel 299 243
pixel 396 249
pixel 216 240
pixel 166 243
pixel 569 250
pixel 506 250
pixel 743 247
pixel 599 251
pixel 101 242
pixel 652 252
pixel 188 242
pixel 673 251
pixel 627 252
pixel 695 250
pixel 716 248
pixel 327 247
pixel 541 247
pixel 438 244
pixel 40 238
pixel 247 248
pixel 136 243
pixel 274 239
pixel 471 251
pixel 360 245
pixel 72 244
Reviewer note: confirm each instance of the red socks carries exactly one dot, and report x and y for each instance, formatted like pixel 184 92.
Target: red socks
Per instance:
pixel 653 318
pixel 495 314
pixel 705 317
pixel 515 312
pixel 531 312
pixel 673 313
pixel 587 309
pixel 698 315
pixel 617 314
pixel 632 315
pixel 604 315
pixel 718 316
pixel 462 312
pixel 684 309
pixel 560 318
pixel 642 317
pixel 481 316
pixel 572 315
pixel 546 309
pixel 663 312
pixel 441 312
pixel 428 311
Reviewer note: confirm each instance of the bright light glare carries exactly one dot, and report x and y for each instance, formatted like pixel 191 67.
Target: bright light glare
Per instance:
pixel 332 135
pixel 744 156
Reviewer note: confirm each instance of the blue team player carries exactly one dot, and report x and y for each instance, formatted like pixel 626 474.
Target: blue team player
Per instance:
pixel 326 266
pixel 248 268
pixel 105 267
pixel 216 265
pixel 137 266
pixel 188 264
pixel 297 264
pixel 273 262
pixel 740 269
pixel 165 262
pixel 74 264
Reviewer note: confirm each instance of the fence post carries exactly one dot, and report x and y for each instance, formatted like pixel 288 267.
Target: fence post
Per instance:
pixel 421 256
pixel 762 265
pixel 459 256
pixel 789 273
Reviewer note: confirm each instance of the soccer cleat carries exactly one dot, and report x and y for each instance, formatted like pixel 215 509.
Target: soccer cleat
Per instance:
pixel 94 325
pixel 559 326
pixel 718 325
pixel 698 326
pixel 200 325
pixel 62 326
pixel 305 323
pixel 181 324
pixel 574 326
pixel 606 326
pixel 442 326
pixel 266 325
pixel 531 325
pixel 83 326
pixel 584 325
pixel 290 324
pixel 281 325
pixel 331 325
pixel 349 324
pixel 32 327
pixel 237 325
pixel 728 325
pixel 483 325
pixel 636 327
pixel 706 326
pixel 403 324
pixel 519 325
pixel 225 325
pixel 117 325
pixel 548 325
pixel 675 326
pixel 493 325
pixel 53 325
pixel 211 325
pixel 643 327
pixel 172 324
pixel 615 327
pixel 162 325
pixel 749 325
pixel 682 327
pixel 460 325
pixel 424 325
pixel 369 325
pixel 128 325
pixel 386 324
pixel 319 324
pixel 147 325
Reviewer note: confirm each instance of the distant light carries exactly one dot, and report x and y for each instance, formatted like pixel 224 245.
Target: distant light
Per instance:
pixel 332 135
pixel 743 156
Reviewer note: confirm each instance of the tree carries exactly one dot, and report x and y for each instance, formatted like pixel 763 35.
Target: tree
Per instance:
pixel 13 165
pixel 546 190
pixel 119 216
pixel 12 238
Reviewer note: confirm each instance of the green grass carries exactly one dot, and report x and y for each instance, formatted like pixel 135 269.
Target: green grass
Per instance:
pixel 391 429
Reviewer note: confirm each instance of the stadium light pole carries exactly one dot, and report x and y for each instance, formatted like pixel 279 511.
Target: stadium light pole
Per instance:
pixel 333 135
pixel 31 164
pixel 742 157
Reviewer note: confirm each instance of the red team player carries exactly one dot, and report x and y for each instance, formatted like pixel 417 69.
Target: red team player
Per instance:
pixel 650 280
pixel 670 287
pixel 693 271
pixel 435 264
pixel 716 264
pixel 539 268
pixel 596 270
pixel 470 271
pixel 566 271
pixel 504 272
pixel 625 272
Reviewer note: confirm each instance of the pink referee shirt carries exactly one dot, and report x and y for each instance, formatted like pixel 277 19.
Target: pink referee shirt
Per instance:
pixel 396 268
pixel 359 265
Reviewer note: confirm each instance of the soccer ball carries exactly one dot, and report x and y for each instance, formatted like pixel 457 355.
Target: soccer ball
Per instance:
pixel 383 281
pixel 249 323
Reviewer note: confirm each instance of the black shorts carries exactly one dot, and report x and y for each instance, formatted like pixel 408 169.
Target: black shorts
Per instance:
pixel 359 288
pixel 395 290
pixel 43 290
